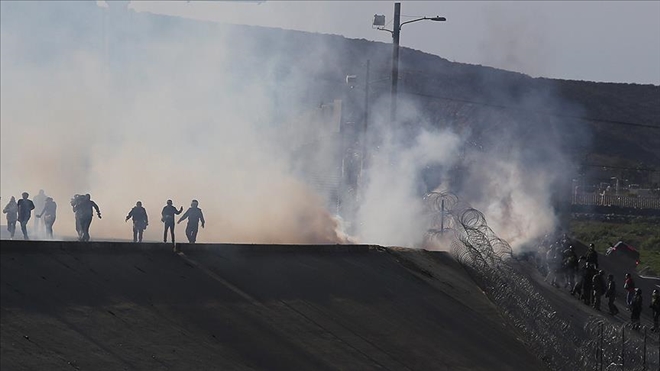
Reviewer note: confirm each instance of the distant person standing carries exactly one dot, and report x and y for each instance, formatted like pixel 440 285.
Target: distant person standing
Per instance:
pixel 194 215
pixel 39 203
pixel 25 207
pixel 629 286
pixel 655 307
pixel 167 217
pixel 598 287
pixel 84 213
pixel 140 221
pixel 48 215
pixel 636 309
pixel 610 294
pixel 592 255
pixel 11 209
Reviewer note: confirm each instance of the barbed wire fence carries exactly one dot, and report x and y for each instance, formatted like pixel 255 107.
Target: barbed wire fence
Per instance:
pixel 562 345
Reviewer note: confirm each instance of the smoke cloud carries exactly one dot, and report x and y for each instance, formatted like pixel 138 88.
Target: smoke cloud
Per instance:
pixel 136 107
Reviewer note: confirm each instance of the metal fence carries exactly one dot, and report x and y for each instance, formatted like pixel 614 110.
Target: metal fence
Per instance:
pixel 619 347
pixel 545 328
pixel 595 199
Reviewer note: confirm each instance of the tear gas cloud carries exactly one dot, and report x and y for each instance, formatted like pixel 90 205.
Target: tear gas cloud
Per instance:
pixel 167 110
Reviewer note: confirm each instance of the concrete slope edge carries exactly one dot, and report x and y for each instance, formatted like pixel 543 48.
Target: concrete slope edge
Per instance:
pixel 74 246
pixel 329 306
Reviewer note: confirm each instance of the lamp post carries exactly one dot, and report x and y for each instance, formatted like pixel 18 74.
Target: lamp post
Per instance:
pixel 379 23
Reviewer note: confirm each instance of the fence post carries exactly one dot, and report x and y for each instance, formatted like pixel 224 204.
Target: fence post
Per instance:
pixel 623 347
pixel 601 346
pixel 644 358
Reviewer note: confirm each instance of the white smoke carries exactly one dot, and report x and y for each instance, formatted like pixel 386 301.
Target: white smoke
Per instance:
pixel 164 109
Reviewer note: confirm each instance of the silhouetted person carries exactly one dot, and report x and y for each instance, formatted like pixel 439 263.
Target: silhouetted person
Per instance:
pixel 167 217
pixel 11 209
pixel 592 255
pixel 74 206
pixel 84 213
pixel 140 221
pixel 553 260
pixel 598 287
pixel 610 294
pixel 636 308
pixel 25 207
pixel 655 307
pixel 39 203
pixel 570 261
pixel 587 284
pixel 581 273
pixel 48 215
pixel 194 215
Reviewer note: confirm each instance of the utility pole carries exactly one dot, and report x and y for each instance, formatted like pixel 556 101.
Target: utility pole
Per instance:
pixel 365 124
pixel 395 59
pixel 379 23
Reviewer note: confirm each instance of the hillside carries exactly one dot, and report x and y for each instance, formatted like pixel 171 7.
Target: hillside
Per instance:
pixel 450 93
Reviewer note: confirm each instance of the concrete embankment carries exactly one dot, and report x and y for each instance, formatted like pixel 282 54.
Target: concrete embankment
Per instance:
pixel 124 306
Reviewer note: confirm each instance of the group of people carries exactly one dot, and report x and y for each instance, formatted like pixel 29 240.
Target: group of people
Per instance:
pixel 21 211
pixel 582 276
pixel 83 208
pixel 141 220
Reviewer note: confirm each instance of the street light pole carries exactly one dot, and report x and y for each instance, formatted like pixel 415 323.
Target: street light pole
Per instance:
pixel 379 23
pixel 396 30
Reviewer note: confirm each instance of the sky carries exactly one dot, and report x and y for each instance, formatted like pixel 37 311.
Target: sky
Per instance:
pixel 605 41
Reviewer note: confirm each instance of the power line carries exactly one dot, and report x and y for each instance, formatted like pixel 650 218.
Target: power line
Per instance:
pixel 500 106
pixel 616 122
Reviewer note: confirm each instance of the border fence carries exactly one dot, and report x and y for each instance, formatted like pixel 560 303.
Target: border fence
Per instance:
pixel 595 199
pixel 561 344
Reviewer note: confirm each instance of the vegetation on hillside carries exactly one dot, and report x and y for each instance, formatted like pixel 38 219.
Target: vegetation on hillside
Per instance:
pixel 643 234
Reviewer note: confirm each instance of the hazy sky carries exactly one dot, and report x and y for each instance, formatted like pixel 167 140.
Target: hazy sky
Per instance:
pixel 612 41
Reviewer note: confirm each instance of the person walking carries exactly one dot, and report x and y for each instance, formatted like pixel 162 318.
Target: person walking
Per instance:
pixel 140 221
pixel 39 204
pixel 636 309
pixel 48 215
pixel 570 261
pixel 167 217
pixel 610 294
pixel 84 213
pixel 655 307
pixel 75 201
pixel 598 287
pixel 194 215
pixel 11 209
pixel 25 207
